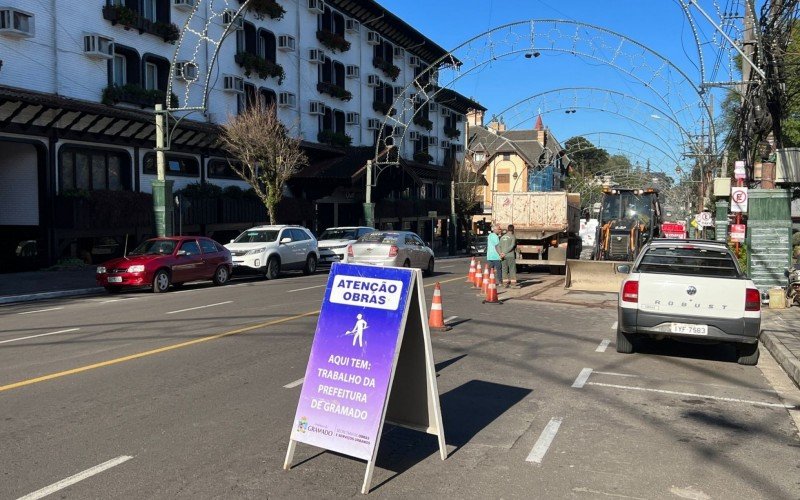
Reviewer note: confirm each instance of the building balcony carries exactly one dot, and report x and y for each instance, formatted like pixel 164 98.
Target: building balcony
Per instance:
pixel 131 19
pixel 261 8
pixel 338 139
pixel 387 67
pixel 452 132
pixel 422 157
pixel 423 122
pixel 384 108
pixel 333 41
pixel 334 90
pixel 137 95
pixel 264 68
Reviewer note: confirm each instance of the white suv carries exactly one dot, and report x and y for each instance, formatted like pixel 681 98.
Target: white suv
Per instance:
pixel 271 249
pixel 333 242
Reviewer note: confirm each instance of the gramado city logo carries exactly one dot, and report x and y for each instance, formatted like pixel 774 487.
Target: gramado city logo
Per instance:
pixel 302 425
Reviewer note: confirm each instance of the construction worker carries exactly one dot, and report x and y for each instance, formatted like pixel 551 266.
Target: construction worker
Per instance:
pixel 493 252
pixel 508 254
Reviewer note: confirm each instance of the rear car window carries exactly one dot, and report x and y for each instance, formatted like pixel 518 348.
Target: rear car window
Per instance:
pixel 690 261
pixel 208 246
pixel 379 238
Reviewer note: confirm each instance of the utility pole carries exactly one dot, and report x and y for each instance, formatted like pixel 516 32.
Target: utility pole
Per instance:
pixel 162 188
pixel 369 207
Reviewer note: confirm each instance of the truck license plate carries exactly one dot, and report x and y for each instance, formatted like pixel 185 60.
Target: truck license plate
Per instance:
pixel 687 329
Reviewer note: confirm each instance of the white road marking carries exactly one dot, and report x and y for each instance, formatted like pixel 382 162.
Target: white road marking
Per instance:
pixel 583 376
pixel 294 384
pixel 545 439
pixel 42 310
pixel 616 374
pixel 49 490
pixel 306 288
pixel 446 267
pixel 614 326
pixel 602 346
pixel 200 307
pixel 451 318
pixel 690 394
pixel 40 335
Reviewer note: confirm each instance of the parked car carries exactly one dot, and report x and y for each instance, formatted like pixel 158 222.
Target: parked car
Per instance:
pixel 689 290
pixel 268 250
pixel 478 245
pixel 392 248
pixel 159 262
pixel 333 242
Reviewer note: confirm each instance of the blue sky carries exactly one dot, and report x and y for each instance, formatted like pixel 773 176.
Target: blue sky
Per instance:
pixel 640 127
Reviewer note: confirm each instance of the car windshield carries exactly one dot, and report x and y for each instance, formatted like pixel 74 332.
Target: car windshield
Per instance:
pixel 689 261
pixel 259 236
pixel 338 234
pixel 388 238
pixel 154 247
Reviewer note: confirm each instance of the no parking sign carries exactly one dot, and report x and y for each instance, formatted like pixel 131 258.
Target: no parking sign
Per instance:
pixel 738 199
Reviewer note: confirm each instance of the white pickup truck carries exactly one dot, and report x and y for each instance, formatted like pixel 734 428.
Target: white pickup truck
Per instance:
pixel 692 291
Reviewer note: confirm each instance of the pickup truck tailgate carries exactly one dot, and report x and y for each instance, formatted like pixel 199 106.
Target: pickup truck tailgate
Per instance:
pixel 692 295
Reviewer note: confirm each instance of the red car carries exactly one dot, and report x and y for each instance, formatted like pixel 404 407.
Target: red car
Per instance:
pixel 160 262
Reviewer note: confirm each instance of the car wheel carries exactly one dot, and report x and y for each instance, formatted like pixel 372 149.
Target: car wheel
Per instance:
pixel 407 263
pixel 160 282
pixel 273 268
pixel 221 275
pixel 311 265
pixel 429 269
pixel 624 342
pixel 747 354
pixel 113 289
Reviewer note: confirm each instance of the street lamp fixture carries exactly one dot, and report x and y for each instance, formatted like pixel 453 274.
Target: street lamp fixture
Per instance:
pixel 528 55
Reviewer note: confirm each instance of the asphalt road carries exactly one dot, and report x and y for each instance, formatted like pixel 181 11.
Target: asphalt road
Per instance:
pixel 192 394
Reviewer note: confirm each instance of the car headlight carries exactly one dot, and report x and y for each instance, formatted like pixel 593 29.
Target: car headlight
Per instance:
pixel 255 251
pixel 101 270
pixel 136 269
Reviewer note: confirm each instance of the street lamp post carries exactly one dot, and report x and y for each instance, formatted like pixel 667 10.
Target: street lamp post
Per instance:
pixel 369 207
pixel 162 188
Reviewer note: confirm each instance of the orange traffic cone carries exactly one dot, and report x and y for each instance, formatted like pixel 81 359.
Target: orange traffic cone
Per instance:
pixel 471 275
pixel 491 291
pixel 485 284
pixel 436 317
pixel 478 277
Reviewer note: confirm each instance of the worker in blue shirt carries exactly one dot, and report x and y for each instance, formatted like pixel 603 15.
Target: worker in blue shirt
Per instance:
pixel 493 253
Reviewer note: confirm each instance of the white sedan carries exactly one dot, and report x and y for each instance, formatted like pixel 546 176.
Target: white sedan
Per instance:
pixel 691 291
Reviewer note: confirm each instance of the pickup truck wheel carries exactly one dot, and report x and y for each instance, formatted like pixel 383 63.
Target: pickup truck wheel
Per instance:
pixel 273 268
pixel 624 342
pixel 311 265
pixel 747 354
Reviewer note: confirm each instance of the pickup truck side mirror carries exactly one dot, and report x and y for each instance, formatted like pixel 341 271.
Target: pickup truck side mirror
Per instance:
pixel 181 253
pixel 286 240
pixel 231 241
pixel 624 268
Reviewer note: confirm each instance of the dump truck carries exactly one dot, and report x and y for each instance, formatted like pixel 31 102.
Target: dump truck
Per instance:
pixel 628 219
pixel 546 225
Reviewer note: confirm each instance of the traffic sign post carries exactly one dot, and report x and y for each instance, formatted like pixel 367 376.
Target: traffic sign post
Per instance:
pixel 739 199
pixel 371 362
pixel 738 232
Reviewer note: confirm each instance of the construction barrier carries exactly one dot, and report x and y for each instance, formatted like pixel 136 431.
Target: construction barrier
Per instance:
pixel 594 275
pixel 471 274
pixel 478 276
pixel 436 317
pixel 491 291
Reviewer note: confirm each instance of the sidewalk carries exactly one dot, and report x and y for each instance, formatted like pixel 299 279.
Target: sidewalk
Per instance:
pixel 780 333
pixel 40 285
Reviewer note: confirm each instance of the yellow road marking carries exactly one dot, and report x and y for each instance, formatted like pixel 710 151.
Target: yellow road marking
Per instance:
pixel 115 361
pixel 172 347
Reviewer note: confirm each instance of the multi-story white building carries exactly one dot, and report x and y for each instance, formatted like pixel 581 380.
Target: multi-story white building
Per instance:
pixel 78 81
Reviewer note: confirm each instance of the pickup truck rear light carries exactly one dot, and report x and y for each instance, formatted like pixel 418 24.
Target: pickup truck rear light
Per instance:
pixel 350 251
pixel 752 300
pixel 630 291
pixel 393 251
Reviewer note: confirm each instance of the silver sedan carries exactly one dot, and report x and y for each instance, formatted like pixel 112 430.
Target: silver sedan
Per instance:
pixel 392 248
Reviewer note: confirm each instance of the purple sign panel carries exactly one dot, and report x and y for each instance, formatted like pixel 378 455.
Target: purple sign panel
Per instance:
pixel 347 377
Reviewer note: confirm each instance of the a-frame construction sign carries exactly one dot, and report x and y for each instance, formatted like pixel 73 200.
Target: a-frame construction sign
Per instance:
pixel 371 362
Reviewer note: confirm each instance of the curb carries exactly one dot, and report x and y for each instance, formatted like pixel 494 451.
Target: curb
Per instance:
pixel 791 365
pixel 32 297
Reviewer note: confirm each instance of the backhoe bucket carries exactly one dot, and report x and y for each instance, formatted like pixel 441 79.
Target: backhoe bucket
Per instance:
pixel 594 275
